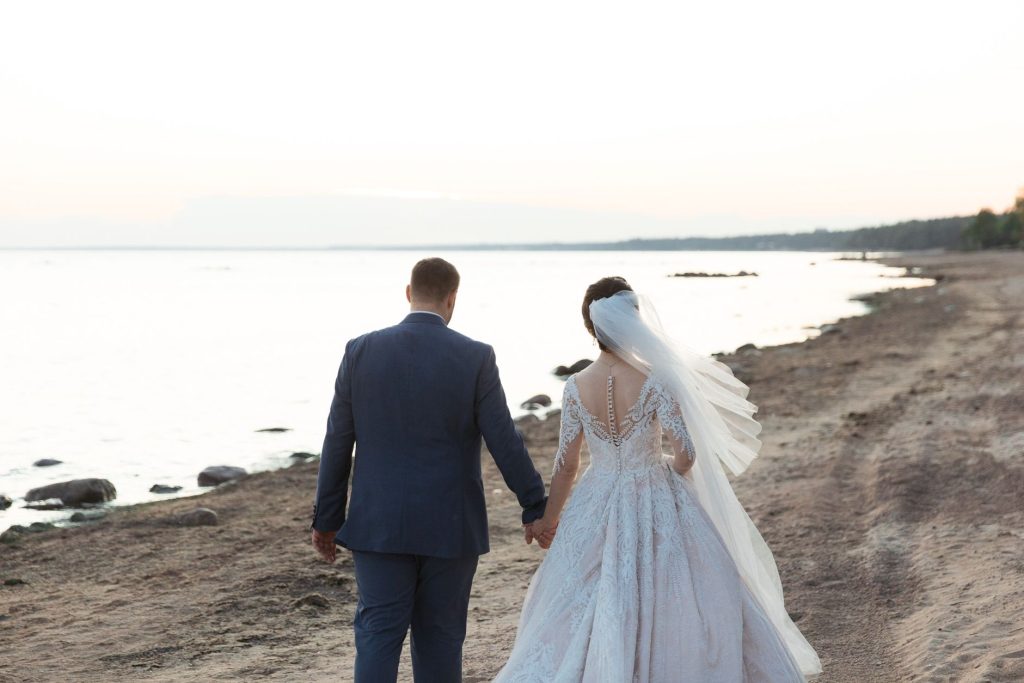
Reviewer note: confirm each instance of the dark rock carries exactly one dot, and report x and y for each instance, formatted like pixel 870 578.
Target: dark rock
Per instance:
pixel 302 455
pixel 218 474
pixel 197 517
pixel 15 582
pixel 749 350
pixel 313 600
pixel 742 273
pixel 12 534
pixel 535 402
pixel 830 329
pixel 47 462
pixel 16 531
pixel 553 413
pixel 163 488
pixel 75 492
pixel 5 502
pixel 563 371
pixel 88 516
pixel 274 430
pixel 579 365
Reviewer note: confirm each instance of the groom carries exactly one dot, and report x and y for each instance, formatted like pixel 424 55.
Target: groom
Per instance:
pixel 415 400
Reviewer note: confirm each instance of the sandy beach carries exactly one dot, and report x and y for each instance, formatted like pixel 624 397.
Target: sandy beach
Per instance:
pixel 890 487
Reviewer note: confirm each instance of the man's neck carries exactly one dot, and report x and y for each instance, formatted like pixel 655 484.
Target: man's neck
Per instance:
pixel 422 309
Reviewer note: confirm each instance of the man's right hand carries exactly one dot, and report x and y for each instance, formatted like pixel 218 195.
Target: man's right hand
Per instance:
pixel 323 541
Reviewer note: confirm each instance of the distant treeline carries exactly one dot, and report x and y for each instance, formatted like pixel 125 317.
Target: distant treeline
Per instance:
pixel 920 234
pixel 990 230
pixel 985 230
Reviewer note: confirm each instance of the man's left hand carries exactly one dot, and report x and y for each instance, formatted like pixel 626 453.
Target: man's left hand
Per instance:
pixel 323 541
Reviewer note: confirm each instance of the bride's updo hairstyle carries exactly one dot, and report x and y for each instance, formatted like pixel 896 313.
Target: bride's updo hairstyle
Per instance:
pixel 602 289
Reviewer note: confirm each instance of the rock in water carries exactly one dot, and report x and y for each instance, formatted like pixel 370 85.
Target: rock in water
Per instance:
pixel 535 402
pixel 163 488
pixel 47 462
pixel 75 492
pixel 579 365
pixel 274 430
pixel 302 455
pixel 5 502
pixel 562 371
pixel 218 474
pixel 197 517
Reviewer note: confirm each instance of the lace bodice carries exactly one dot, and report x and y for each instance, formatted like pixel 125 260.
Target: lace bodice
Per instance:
pixel 631 444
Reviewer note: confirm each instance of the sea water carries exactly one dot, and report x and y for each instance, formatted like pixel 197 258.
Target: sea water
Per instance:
pixel 144 367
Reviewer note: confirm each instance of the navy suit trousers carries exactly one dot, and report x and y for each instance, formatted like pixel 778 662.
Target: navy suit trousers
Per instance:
pixel 399 591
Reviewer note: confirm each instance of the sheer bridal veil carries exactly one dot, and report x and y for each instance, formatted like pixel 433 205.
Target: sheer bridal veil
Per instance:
pixel 720 421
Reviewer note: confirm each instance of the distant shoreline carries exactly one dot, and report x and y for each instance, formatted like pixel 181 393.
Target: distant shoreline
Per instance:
pixel 560 247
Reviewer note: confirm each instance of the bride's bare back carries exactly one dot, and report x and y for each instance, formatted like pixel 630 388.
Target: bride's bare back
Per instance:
pixel 610 385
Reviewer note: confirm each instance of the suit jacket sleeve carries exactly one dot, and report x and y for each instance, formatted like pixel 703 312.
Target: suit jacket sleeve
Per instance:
pixel 506 443
pixel 336 455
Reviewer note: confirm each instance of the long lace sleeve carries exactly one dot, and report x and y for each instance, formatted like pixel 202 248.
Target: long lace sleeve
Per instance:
pixel 571 430
pixel 671 417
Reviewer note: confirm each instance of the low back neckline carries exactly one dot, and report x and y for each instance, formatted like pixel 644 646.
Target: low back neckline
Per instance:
pixel 620 431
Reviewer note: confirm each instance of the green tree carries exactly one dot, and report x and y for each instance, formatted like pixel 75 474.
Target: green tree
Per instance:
pixel 1013 225
pixel 984 231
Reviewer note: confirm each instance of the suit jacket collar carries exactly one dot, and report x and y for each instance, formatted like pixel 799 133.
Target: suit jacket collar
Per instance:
pixel 425 317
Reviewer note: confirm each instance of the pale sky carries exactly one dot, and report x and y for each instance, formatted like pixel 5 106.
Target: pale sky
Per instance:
pixel 300 123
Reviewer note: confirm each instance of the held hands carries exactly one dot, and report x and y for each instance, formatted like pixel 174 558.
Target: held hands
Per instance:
pixel 543 531
pixel 323 541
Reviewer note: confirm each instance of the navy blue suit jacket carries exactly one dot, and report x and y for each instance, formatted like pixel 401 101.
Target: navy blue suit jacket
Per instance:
pixel 414 401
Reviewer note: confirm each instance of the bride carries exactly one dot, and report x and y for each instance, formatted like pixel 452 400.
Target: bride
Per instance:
pixel 657 573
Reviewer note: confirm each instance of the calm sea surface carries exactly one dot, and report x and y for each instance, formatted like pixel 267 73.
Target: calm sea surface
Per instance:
pixel 145 367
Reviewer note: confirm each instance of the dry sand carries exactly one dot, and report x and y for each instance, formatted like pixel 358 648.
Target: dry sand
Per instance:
pixel 891 488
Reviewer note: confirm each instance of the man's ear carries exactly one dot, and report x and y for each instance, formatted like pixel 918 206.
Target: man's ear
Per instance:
pixel 408 293
pixel 451 298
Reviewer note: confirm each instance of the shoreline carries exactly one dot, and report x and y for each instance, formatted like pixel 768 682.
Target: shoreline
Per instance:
pixel 21 517
pixel 890 574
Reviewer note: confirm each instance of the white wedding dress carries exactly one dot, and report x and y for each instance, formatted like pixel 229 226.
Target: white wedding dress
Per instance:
pixel 638 585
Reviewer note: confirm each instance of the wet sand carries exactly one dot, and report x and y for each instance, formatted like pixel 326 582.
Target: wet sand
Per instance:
pixel 890 487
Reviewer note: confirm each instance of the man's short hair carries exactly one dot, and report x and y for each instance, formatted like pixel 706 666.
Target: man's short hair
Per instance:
pixel 433 279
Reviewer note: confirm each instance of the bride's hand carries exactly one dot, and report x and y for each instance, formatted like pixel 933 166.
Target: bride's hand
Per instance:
pixel 544 531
